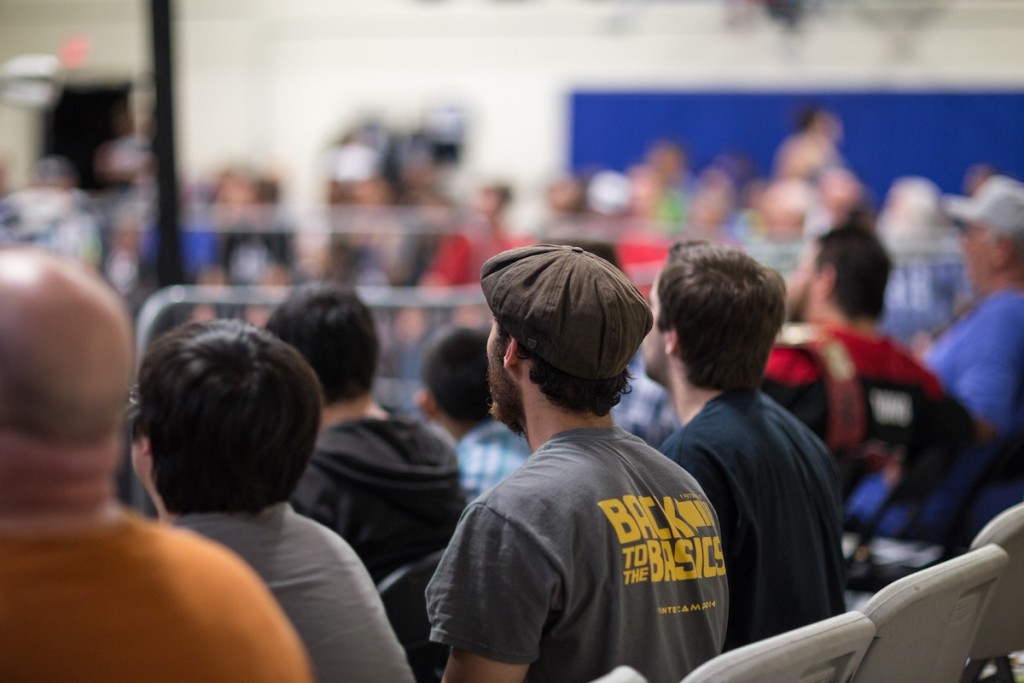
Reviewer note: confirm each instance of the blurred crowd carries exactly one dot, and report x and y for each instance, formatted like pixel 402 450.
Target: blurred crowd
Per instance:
pixel 393 213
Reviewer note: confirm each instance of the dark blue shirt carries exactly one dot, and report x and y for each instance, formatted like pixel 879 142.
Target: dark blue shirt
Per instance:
pixel 776 491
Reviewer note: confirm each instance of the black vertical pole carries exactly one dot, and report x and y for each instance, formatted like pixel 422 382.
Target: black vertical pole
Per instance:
pixel 169 268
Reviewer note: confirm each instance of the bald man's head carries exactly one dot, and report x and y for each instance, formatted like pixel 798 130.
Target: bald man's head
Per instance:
pixel 65 350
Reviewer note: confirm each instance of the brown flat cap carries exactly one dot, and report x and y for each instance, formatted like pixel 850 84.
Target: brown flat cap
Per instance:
pixel 571 308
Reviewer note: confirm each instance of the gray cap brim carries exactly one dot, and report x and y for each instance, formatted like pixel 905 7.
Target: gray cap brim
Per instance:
pixel 959 208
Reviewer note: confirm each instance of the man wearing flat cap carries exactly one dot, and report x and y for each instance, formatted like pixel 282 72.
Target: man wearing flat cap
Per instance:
pixel 599 551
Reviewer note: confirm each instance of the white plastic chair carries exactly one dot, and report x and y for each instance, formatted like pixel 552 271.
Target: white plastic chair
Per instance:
pixel 925 623
pixel 621 674
pixel 1001 629
pixel 827 650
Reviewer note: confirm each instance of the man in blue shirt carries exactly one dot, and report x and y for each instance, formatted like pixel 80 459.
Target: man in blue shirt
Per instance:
pixel 772 482
pixel 980 359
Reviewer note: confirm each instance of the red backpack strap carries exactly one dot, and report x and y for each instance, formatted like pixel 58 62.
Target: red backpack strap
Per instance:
pixel 847 415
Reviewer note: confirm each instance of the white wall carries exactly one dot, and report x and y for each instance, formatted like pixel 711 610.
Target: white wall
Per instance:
pixel 274 81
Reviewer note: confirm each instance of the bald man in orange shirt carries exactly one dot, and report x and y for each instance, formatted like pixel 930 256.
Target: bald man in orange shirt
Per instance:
pixel 88 590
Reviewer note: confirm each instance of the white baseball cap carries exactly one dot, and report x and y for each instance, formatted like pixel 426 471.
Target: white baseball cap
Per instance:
pixel 998 204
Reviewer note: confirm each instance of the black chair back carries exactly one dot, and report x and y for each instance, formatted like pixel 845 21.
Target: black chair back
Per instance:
pixel 403 593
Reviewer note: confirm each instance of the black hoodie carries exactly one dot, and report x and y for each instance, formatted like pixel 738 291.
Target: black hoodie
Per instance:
pixel 389 487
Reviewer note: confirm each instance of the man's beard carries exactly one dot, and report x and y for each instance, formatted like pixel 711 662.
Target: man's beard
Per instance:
pixel 506 399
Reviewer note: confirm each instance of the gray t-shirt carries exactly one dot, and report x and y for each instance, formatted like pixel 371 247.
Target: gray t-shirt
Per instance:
pixel 598 552
pixel 321 585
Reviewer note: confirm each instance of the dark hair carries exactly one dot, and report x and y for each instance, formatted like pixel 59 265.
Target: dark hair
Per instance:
pixel 596 396
pixel 809 114
pixel 502 191
pixel 334 330
pixel 602 248
pixel 726 309
pixel 231 414
pixel 861 266
pixel 455 372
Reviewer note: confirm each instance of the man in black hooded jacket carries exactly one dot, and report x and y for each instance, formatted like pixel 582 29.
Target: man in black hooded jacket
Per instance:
pixel 387 484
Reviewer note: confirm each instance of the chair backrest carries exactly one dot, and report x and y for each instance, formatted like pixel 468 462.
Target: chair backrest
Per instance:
pixel 925 623
pixel 1006 465
pixel 621 674
pixel 1001 629
pixel 403 592
pixel 825 651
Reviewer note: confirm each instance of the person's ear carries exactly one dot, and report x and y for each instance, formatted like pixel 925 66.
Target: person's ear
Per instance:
pixel 142 463
pixel 514 364
pixel 1004 250
pixel 670 338
pixel 426 403
pixel 824 282
pixel 511 358
pixel 142 458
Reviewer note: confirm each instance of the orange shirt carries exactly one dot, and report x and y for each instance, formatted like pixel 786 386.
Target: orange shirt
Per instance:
pixel 138 602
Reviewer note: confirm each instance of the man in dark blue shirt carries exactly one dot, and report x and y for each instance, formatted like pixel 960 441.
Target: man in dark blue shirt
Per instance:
pixel 770 479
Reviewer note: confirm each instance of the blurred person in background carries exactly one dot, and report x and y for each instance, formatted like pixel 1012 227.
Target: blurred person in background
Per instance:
pixel 911 212
pixel 486 232
pixel 812 148
pixel 255 243
pixel 782 210
pixel 882 414
pixel 619 212
pixel 353 159
pixel 975 175
pixel 425 223
pixel 655 208
pixel 367 238
pixel 52 212
pixel 125 162
pixel 233 232
pixel 747 225
pixel 712 206
pixel 565 206
pixel 668 160
pixel 980 360
pixel 124 266
pixel 839 199
pixel 607 196
pixel 928 283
